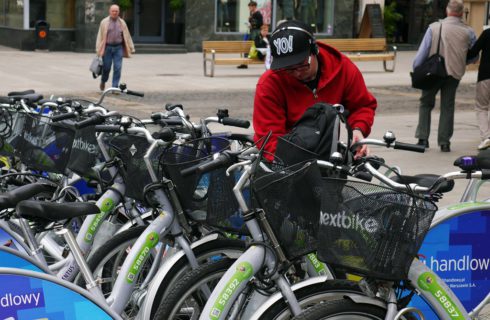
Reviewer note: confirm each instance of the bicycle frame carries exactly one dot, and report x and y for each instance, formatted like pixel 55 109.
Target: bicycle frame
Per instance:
pixel 236 278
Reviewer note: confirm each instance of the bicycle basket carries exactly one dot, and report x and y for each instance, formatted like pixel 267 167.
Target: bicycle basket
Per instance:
pixel 11 128
pixel 290 198
pixel 210 193
pixel 131 149
pixel 85 151
pixel 371 230
pixel 44 145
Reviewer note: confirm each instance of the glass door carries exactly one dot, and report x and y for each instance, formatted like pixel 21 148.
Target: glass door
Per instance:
pixel 148 21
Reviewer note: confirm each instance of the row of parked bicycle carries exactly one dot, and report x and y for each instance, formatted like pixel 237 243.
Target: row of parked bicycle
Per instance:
pixel 105 216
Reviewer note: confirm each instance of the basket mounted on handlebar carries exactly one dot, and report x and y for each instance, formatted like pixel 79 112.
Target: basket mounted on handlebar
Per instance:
pixel 131 149
pixel 371 230
pixel 11 128
pixel 44 145
pixel 290 198
pixel 85 151
pixel 210 193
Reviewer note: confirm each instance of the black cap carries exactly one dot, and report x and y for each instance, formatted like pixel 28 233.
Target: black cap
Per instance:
pixel 291 44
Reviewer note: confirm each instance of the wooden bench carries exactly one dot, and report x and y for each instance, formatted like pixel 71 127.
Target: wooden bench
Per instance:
pixel 210 50
pixel 365 49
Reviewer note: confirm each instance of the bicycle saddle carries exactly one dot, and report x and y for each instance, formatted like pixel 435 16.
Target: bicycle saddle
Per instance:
pixel 425 180
pixel 52 211
pixel 30 98
pixel 20 93
pixel 11 198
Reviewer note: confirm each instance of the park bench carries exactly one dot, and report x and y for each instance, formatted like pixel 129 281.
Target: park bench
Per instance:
pixel 210 50
pixel 365 49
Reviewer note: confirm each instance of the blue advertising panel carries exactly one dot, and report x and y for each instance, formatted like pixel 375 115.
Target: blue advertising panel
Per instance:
pixel 26 297
pixel 7 240
pixel 11 260
pixel 459 252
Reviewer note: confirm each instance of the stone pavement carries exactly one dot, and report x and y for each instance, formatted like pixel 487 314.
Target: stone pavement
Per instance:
pixel 178 78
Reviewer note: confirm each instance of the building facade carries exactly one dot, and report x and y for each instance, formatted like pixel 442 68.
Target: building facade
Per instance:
pixel 73 24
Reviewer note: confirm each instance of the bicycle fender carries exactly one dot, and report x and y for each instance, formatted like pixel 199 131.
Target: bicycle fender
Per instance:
pixel 297 286
pixel 278 296
pixel 361 299
pixel 145 311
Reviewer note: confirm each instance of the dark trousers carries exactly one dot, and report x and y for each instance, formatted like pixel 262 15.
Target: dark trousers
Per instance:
pixel 112 55
pixel 448 87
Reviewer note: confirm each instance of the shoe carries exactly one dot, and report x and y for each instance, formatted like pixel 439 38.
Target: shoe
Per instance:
pixel 423 142
pixel 102 86
pixel 242 66
pixel 484 144
pixel 445 148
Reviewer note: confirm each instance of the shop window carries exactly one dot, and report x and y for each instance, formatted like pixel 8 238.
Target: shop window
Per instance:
pixel 319 14
pixel 232 15
pixel 58 13
pixel 13 11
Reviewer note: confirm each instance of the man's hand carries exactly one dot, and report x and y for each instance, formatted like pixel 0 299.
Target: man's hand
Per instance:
pixel 361 150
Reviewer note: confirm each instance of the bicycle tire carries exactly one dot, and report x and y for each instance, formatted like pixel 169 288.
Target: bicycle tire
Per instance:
pixel 311 295
pixel 343 309
pixel 181 268
pixel 188 288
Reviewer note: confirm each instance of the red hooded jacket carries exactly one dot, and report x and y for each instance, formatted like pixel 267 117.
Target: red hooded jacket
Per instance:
pixel 281 100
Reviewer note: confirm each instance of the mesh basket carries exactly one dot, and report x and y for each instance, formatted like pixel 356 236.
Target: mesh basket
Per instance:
pixel 212 192
pixel 44 145
pixel 11 129
pixel 131 149
pixel 290 198
pixel 85 151
pixel 371 230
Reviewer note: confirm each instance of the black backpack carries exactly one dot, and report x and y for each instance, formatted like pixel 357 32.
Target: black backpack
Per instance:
pixel 314 136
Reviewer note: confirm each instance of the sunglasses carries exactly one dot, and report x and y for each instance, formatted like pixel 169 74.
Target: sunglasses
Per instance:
pixel 298 67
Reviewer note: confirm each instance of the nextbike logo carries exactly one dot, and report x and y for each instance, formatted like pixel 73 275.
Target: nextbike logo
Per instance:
pixel 80 144
pixel 342 220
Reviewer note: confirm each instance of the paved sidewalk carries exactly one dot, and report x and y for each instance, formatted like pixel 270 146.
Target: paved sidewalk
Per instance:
pixel 67 72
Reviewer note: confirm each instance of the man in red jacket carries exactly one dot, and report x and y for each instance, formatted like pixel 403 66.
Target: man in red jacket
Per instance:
pixel 303 73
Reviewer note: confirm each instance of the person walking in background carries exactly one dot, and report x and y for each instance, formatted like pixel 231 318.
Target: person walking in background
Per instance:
pixel 456 38
pixel 113 43
pixel 482 87
pixel 255 22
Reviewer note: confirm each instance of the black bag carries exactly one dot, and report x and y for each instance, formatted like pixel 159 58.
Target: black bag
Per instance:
pixel 425 76
pixel 314 136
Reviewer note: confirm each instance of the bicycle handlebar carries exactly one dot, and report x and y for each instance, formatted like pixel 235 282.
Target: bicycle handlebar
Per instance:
pixel 92 120
pixel 64 116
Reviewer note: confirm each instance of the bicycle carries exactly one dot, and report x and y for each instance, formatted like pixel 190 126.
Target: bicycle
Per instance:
pixel 384 303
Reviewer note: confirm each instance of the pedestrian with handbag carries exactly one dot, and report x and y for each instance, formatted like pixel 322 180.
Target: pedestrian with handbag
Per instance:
pixel 113 43
pixel 483 87
pixel 452 38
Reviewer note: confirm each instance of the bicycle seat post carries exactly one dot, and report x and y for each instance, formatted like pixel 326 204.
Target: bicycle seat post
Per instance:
pixel 91 284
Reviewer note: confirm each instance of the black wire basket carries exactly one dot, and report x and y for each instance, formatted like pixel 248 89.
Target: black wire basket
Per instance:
pixel 44 145
pixel 131 149
pixel 210 193
pixel 290 197
pixel 11 131
pixel 85 151
pixel 371 230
